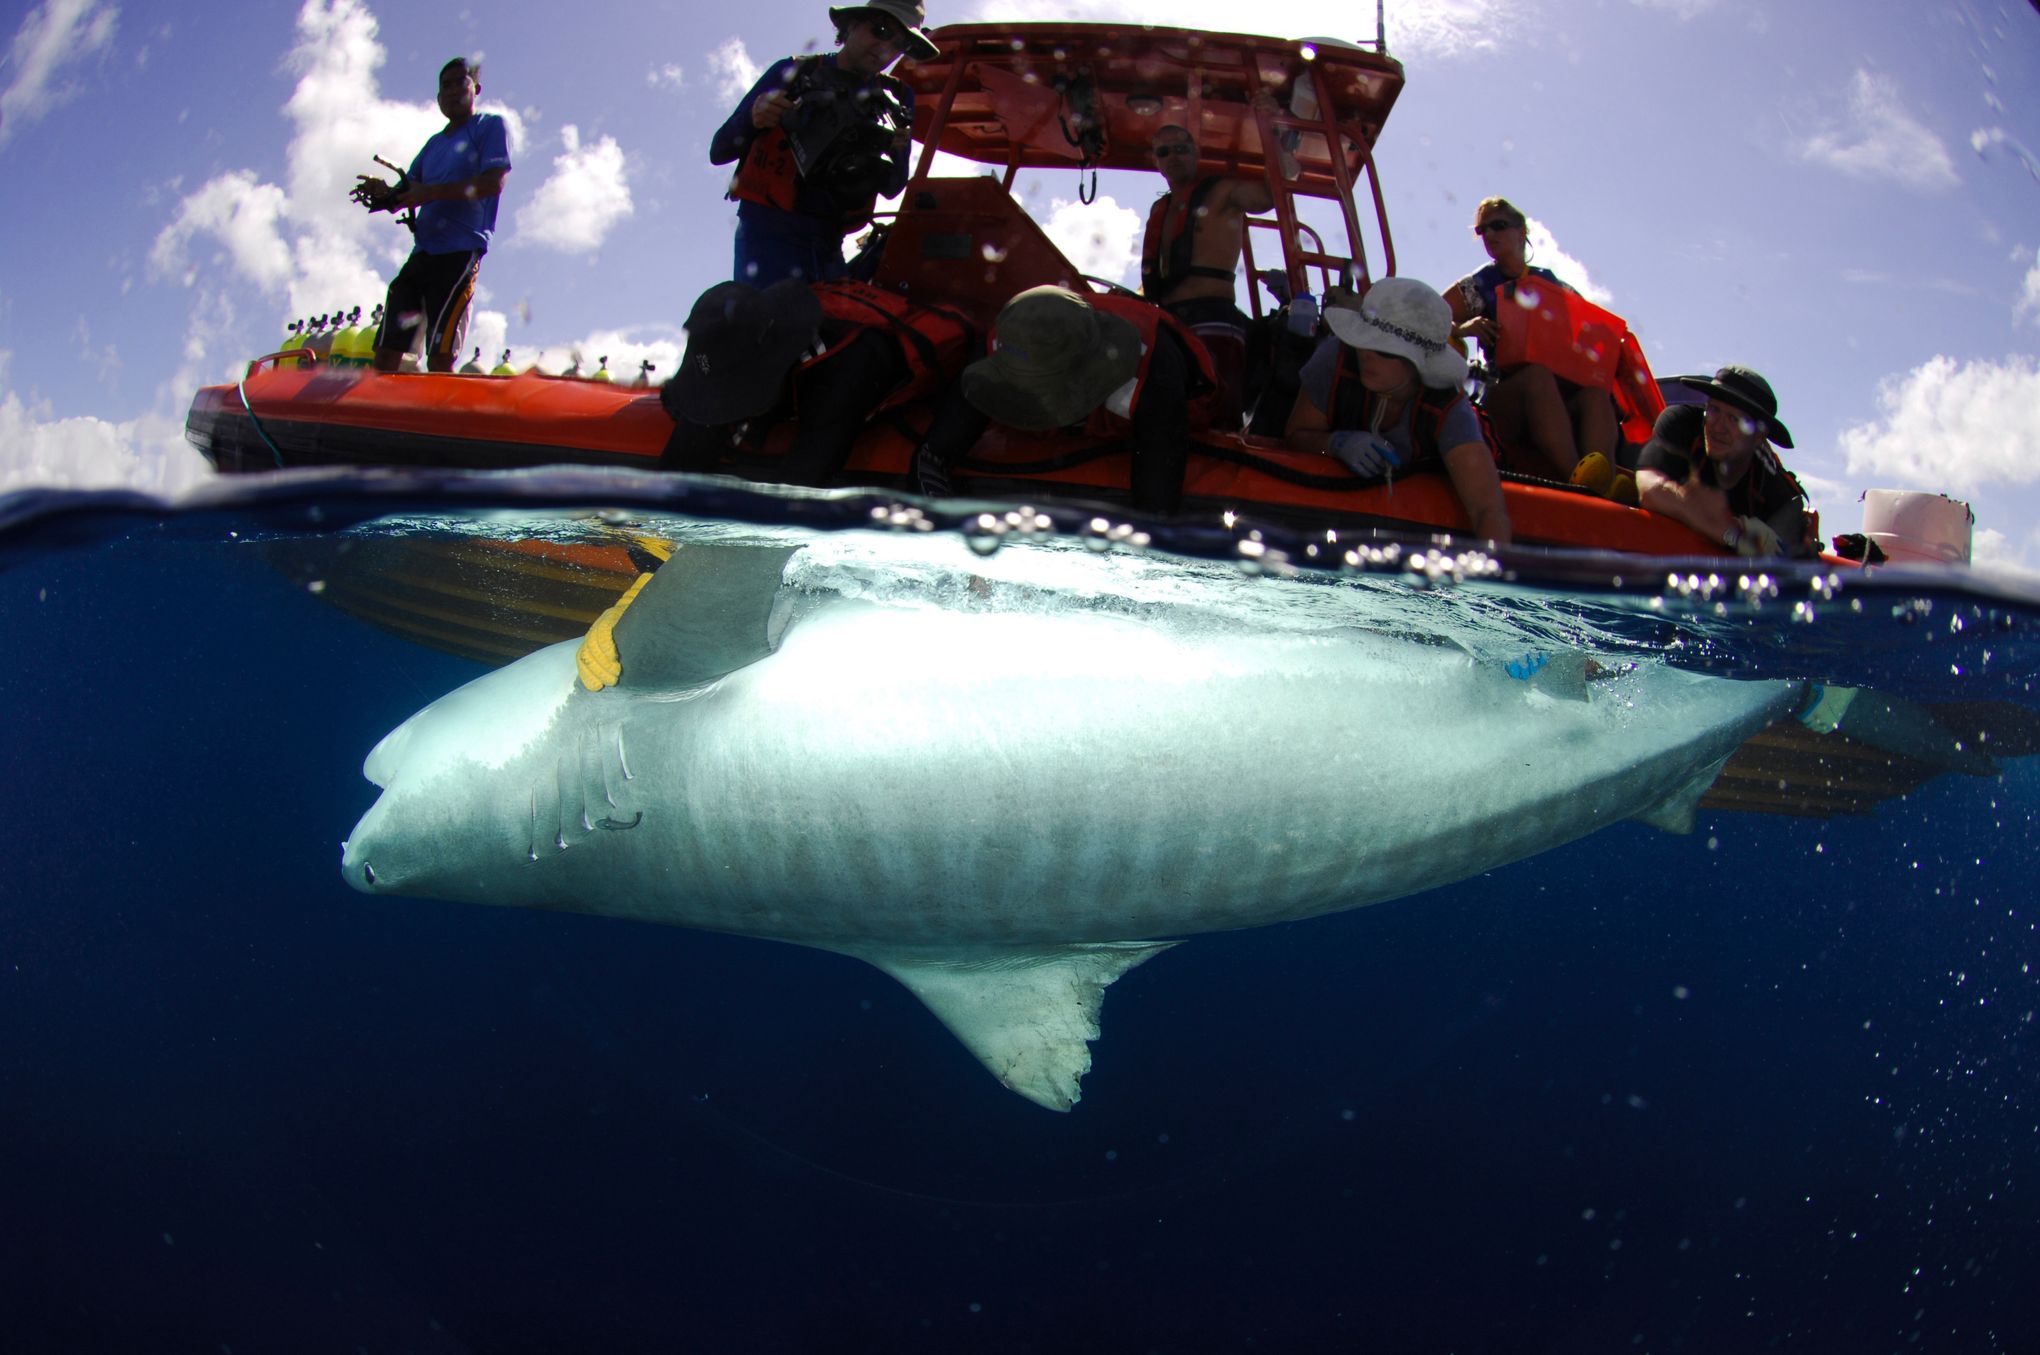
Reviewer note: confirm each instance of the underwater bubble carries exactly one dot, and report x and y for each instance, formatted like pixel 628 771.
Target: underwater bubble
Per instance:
pixel 985 534
pixel 1029 522
pixel 899 517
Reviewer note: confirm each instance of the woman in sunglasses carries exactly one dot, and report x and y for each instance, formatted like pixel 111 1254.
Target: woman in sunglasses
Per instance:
pixel 1545 424
pixel 816 141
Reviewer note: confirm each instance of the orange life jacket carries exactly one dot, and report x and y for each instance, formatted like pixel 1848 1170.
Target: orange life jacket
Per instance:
pixel 1638 401
pixel 1165 263
pixel 1151 320
pixel 935 340
pixel 769 174
pixel 1556 328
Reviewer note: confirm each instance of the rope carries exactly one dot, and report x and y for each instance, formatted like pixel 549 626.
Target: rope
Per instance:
pixel 261 432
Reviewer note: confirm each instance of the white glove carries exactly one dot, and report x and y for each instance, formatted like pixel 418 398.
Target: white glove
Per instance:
pixel 1757 538
pixel 1366 454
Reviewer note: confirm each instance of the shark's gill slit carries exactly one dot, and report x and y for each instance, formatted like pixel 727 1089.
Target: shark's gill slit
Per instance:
pixel 621 760
pixel 559 810
pixel 608 795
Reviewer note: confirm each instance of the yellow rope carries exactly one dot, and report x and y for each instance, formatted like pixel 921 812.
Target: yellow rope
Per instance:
pixel 597 659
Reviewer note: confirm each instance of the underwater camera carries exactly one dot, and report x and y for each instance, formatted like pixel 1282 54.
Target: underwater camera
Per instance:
pixel 841 142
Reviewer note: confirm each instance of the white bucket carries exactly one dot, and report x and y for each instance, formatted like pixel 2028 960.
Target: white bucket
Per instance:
pixel 1912 527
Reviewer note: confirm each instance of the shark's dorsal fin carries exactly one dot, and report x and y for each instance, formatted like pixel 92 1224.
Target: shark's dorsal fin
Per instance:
pixel 1028 1014
pixel 1677 811
pixel 1564 678
pixel 705 613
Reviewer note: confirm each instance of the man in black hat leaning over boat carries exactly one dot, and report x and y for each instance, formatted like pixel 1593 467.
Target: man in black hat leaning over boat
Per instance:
pixel 1712 468
pixel 828 356
pixel 454 182
pixel 817 140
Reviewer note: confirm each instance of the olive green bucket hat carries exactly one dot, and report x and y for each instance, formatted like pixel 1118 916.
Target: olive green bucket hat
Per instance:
pixel 1055 357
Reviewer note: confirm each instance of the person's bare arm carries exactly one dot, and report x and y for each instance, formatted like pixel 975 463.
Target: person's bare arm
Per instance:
pixel 487 184
pixel 1472 470
pixel 1248 196
pixel 1466 322
pixel 1309 428
pixel 1701 507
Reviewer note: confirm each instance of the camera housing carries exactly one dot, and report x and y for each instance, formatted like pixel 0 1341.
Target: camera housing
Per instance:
pixel 841 141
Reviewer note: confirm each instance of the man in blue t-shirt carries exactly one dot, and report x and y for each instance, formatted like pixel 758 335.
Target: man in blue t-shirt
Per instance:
pixel 454 182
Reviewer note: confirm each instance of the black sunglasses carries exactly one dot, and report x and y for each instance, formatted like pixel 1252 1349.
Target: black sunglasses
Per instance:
pixel 883 30
pixel 1175 148
pixel 1496 224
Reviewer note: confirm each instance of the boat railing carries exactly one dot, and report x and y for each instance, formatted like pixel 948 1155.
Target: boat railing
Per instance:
pixel 307 357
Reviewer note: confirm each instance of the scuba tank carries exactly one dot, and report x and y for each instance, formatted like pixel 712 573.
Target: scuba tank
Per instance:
pixel 473 366
pixel 602 370
pixel 319 342
pixel 644 374
pixel 347 343
pixel 503 367
pixel 573 372
pixel 293 339
pixel 370 332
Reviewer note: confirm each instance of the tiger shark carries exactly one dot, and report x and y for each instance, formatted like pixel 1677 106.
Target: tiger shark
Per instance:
pixel 1007 809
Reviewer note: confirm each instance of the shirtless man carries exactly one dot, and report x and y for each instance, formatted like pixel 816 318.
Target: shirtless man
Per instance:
pixel 1191 252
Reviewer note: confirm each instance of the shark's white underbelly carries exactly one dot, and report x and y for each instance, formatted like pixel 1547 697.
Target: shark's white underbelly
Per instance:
pixel 917 777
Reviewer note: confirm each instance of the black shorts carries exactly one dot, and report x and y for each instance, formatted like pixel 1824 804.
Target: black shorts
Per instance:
pixel 430 291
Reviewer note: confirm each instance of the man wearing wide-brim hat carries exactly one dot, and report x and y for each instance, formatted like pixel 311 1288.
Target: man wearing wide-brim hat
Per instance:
pixel 1711 466
pixel 817 141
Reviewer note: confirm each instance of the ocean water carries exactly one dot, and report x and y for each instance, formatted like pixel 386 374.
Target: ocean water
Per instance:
pixel 1770 1085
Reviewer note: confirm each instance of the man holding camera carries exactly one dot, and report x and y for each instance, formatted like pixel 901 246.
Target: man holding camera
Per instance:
pixel 454 183
pixel 817 141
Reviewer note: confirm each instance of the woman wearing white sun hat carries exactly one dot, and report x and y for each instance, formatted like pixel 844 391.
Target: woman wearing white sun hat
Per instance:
pixel 1384 396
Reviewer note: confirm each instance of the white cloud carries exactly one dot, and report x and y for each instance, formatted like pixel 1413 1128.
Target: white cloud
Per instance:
pixel 240 213
pixel 1102 239
pixel 55 34
pixel 147 453
pixel 1882 140
pixel 1546 252
pixel 1434 28
pixel 734 70
pixel 588 193
pixel 1992 552
pixel 2027 307
pixel 668 76
pixel 1952 426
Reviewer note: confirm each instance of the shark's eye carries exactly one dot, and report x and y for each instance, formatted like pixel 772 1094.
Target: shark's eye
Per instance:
pixel 368 872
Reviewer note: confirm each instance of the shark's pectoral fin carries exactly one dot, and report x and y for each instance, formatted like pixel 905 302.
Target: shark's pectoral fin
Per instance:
pixel 1676 812
pixel 706 612
pixel 1029 1015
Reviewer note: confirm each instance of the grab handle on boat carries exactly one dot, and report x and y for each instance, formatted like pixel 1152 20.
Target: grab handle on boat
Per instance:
pixel 309 357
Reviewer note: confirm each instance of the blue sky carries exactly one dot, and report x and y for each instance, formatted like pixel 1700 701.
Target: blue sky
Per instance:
pixel 1845 196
